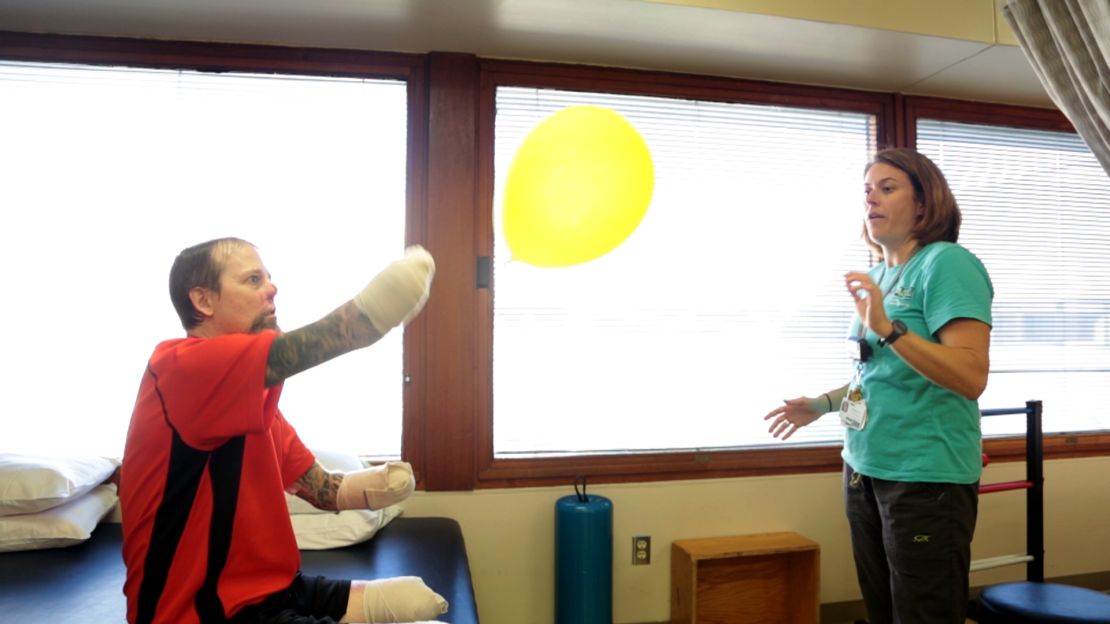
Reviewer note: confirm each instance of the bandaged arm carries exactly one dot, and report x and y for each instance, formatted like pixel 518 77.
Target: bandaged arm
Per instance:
pixel 377 487
pixel 395 295
pixel 399 291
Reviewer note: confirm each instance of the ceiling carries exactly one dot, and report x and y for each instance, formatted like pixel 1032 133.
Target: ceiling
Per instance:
pixel 684 36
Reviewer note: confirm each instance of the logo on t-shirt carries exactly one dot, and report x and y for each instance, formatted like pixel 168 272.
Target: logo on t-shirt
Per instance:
pixel 901 297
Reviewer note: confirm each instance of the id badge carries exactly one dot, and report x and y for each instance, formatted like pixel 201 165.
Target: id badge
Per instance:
pixel 853 414
pixel 853 409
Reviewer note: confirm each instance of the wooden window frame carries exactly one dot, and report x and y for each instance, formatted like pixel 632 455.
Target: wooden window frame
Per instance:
pixel 261 59
pixel 627 467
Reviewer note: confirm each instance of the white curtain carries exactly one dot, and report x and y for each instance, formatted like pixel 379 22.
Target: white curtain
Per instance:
pixel 1068 44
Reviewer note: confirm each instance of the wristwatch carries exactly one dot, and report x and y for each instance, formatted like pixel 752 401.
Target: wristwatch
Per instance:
pixel 896 333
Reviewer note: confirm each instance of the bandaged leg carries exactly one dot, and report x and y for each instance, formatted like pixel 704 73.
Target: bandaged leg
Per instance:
pixel 401 599
pixel 377 487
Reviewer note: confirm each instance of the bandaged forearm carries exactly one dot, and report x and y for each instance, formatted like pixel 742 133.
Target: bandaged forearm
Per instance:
pixel 401 599
pixel 399 291
pixel 377 487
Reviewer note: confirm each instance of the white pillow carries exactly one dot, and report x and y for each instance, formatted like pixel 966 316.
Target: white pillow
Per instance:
pixel 29 483
pixel 320 531
pixel 330 460
pixel 62 525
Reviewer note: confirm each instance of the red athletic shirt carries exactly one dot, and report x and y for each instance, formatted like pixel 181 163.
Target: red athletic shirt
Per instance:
pixel 206 530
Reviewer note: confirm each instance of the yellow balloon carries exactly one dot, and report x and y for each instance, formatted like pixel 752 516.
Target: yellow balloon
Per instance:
pixel 578 187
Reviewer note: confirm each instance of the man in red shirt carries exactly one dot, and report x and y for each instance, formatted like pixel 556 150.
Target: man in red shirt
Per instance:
pixel 209 456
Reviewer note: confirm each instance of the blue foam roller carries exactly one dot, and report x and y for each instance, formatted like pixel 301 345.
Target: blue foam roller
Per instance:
pixel 583 560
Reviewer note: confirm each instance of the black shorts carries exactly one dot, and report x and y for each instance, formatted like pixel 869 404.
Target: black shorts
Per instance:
pixel 307 600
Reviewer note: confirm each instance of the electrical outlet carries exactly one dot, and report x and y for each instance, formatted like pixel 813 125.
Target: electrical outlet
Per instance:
pixel 641 550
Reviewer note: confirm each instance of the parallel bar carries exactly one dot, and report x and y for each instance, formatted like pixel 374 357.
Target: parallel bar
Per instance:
pixel 1005 486
pixel 998 562
pixel 1034 504
pixel 1002 411
pixel 1034 493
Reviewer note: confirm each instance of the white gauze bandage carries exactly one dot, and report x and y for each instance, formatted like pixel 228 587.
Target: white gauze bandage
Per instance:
pixel 399 291
pixel 377 487
pixel 400 599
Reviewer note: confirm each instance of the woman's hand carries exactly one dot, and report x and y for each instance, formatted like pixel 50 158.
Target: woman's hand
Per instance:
pixel 868 298
pixel 794 414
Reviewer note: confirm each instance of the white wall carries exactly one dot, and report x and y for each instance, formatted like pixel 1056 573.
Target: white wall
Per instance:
pixel 510 532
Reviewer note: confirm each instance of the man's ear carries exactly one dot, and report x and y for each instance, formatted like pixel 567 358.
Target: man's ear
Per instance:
pixel 203 300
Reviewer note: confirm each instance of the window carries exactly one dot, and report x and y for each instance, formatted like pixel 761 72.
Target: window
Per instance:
pixel 527 300
pixel 1036 207
pixel 449 125
pixel 725 300
pixel 110 171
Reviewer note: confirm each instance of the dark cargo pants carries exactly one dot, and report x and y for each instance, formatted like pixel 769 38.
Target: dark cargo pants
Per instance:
pixel 912 547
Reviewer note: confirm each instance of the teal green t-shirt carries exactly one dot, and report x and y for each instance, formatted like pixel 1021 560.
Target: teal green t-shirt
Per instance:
pixel 916 430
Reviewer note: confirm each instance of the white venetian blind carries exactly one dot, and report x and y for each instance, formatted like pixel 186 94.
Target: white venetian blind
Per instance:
pixel 108 172
pixel 1036 207
pixel 727 299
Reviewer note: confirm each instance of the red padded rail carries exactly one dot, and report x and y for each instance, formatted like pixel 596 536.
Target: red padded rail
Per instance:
pixel 1005 486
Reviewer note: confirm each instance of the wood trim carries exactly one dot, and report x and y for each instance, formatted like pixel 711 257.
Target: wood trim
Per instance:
pixel 483 382
pixel 979 113
pixel 662 84
pixel 413 431
pixel 451 315
pixel 206 56
pixel 631 468
pixel 1056 446
pixel 681 465
pixel 899 133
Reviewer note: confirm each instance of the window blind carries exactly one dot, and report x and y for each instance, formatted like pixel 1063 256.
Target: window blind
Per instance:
pixel 727 299
pixel 1036 208
pixel 110 171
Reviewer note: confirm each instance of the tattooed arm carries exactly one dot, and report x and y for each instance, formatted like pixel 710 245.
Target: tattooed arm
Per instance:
pixel 394 296
pixel 319 487
pixel 345 329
